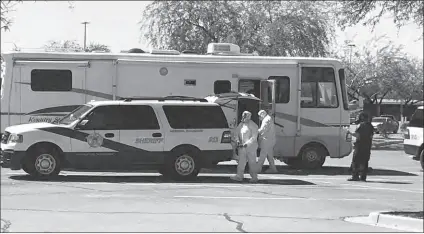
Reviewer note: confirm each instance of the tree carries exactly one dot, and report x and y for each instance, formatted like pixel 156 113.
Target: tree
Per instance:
pixel 352 12
pixel 73 46
pixel 274 28
pixel 7 6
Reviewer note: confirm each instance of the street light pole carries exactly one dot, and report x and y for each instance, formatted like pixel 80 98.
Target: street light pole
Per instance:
pixel 351 45
pixel 85 33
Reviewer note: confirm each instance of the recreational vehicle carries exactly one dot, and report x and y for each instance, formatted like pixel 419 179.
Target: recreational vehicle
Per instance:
pixel 306 96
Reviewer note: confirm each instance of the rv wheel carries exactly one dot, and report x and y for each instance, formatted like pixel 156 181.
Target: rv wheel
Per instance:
pixel 312 156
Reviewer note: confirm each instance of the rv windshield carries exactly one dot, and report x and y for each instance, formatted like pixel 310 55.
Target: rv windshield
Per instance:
pixel 75 115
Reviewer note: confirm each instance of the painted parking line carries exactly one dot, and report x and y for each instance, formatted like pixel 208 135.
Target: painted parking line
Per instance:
pixel 381 188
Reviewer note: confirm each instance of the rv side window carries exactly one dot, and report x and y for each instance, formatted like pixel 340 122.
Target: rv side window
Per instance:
pixel 51 80
pixel 282 89
pixel 318 88
pixel 222 86
pixel 195 117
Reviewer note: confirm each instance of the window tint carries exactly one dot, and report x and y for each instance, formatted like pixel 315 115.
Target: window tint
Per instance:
pixel 51 80
pixel 127 117
pixel 417 119
pixel 138 117
pixel 318 88
pixel 282 89
pixel 343 89
pixel 103 118
pixel 221 86
pixel 195 117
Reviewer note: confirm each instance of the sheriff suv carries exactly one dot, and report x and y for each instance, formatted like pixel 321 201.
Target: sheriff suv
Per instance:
pixel 175 135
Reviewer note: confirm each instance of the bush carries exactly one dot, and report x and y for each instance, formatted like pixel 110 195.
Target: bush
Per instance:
pixel 403 126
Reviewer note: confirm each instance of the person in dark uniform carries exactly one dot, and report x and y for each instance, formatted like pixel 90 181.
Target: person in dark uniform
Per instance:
pixel 362 148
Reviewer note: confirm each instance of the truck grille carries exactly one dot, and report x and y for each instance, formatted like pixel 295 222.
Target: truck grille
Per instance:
pixel 5 137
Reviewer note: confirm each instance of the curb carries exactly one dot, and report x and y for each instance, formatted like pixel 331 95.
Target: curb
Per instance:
pixel 396 222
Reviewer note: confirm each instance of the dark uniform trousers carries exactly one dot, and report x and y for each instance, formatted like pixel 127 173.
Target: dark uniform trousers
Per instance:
pixel 361 157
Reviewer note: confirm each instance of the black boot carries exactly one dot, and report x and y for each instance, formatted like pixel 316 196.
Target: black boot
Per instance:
pixel 353 178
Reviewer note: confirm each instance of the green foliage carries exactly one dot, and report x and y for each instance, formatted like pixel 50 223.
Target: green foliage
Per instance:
pixel 382 70
pixel 353 12
pixel 73 46
pixel 273 28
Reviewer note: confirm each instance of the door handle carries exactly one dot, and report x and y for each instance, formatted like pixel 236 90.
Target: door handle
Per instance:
pixel 109 135
pixel 157 134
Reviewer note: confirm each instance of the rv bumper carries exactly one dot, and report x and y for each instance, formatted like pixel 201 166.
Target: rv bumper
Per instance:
pixel 12 159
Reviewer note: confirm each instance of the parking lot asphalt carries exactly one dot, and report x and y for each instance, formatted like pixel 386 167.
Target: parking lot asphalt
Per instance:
pixel 289 201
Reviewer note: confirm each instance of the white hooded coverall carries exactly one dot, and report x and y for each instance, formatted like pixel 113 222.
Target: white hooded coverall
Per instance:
pixel 267 142
pixel 247 134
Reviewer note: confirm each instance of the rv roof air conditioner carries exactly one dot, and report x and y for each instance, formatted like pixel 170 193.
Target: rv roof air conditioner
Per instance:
pixel 223 49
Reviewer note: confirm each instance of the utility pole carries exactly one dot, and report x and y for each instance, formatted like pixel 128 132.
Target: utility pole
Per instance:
pixel 85 33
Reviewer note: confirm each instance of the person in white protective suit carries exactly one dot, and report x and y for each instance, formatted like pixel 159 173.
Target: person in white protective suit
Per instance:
pixel 246 138
pixel 266 142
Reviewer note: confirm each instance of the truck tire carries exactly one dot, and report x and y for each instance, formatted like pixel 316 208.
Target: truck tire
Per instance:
pixel 422 159
pixel 182 165
pixel 44 163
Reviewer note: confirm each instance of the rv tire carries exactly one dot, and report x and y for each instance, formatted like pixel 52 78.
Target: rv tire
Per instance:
pixel 313 156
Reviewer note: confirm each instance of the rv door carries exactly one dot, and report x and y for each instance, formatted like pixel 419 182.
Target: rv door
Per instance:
pixel 268 96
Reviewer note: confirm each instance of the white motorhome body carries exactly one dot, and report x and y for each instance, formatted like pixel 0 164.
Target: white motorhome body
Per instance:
pixel 308 95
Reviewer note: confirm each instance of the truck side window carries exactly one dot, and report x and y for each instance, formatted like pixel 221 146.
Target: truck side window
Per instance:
pixel 44 80
pixel 137 117
pixel 221 86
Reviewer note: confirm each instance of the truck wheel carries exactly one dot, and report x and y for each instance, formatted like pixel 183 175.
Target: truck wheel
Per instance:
pixel 312 157
pixel 43 163
pixel 422 159
pixel 183 165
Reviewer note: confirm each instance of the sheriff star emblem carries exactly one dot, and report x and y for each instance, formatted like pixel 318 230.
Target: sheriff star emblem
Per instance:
pixel 95 140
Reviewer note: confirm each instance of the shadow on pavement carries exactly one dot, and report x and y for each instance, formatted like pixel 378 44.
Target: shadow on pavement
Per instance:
pixel 156 179
pixel 325 170
pixel 388 182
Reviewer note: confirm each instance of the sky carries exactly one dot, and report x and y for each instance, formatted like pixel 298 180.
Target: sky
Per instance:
pixel 116 23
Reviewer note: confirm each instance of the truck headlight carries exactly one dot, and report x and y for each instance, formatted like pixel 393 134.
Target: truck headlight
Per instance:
pixel 16 138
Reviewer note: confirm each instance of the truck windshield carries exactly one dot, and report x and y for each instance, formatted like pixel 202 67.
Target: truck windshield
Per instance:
pixel 417 119
pixel 75 115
